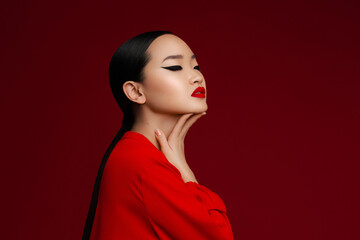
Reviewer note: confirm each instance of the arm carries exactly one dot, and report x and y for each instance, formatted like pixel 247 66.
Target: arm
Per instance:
pixel 179 210
pixel 187 174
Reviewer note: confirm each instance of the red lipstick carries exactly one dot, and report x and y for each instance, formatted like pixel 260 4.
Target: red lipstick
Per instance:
pixel 199 92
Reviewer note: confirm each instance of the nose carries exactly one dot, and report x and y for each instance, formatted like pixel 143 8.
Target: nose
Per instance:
pixel 196 77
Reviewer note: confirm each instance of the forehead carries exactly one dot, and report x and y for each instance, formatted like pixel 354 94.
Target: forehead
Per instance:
pixel 166 45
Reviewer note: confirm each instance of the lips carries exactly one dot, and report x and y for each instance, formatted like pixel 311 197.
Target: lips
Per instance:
pixel 199 92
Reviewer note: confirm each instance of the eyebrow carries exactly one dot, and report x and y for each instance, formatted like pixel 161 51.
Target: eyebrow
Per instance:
pixel 178 56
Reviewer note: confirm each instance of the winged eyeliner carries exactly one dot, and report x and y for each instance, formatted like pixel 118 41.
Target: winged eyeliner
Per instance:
pixel 178 67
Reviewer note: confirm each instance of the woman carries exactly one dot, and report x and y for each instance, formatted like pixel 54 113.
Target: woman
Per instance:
pixel 147 190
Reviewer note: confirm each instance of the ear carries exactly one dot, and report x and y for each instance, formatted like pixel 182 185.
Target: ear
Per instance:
pixel 134 92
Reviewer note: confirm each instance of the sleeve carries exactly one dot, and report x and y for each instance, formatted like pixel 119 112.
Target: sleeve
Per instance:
pixel 179 210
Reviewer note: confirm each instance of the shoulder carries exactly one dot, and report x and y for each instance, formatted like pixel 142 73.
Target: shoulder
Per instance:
pixel 134 158
pixel 130 155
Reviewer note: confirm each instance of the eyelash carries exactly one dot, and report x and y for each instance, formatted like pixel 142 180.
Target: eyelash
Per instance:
pixel 178 68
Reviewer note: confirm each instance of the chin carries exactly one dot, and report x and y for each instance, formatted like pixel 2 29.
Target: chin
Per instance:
pixel 190 107
pixel 200 109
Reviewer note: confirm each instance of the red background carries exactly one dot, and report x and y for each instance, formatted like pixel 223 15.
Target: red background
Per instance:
pixel 279 143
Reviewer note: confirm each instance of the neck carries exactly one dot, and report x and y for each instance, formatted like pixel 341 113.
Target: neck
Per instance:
pixel 147 123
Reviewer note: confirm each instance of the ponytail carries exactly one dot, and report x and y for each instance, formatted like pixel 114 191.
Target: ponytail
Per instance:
pixel 126 126
pixel 126 64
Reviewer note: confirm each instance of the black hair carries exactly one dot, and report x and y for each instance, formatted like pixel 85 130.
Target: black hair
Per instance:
pixel 126 64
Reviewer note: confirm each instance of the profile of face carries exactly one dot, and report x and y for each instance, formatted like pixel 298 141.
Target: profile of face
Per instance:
pixel 170 78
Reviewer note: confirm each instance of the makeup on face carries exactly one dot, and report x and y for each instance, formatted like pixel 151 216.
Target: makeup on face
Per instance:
pixel 178 67
pixel 199 92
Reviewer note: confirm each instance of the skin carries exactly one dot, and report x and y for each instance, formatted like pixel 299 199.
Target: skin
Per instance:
pixel 164 100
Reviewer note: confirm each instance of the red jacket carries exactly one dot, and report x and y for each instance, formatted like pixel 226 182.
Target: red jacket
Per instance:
pixel 143 196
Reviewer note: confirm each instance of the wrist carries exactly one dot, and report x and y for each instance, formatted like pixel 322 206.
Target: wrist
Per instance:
pixel 187 174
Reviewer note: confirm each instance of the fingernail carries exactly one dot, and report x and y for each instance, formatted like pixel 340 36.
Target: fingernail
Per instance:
pixel 157 132
pixel 204 113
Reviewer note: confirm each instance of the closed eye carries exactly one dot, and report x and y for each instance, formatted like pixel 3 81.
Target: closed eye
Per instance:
pixel 178 68
pixel 173 68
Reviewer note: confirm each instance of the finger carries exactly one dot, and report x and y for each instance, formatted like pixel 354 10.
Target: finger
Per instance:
pixel 161 138
pixel 189 123
pixel 179 125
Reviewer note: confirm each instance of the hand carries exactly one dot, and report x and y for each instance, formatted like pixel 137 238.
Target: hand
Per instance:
pixel 173 147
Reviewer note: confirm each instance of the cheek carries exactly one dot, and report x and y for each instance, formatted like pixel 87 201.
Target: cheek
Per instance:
pixel 164 84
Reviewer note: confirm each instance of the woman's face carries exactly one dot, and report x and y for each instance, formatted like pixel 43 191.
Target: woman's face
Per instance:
pixel 169 90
